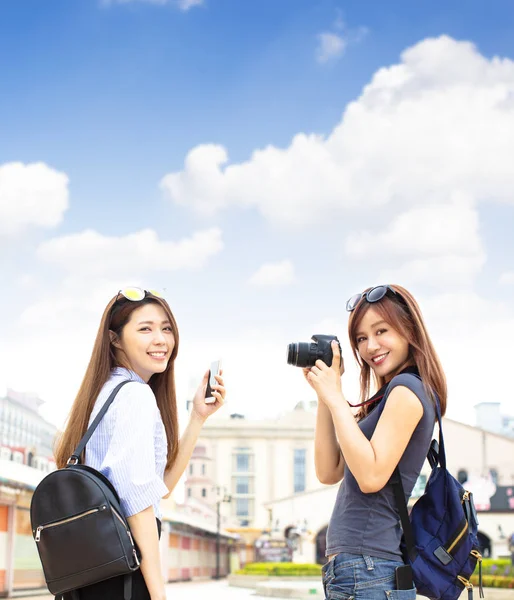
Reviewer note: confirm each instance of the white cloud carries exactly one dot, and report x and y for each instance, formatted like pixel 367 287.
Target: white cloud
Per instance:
pixel 438 123
pixel 330 47
pixel 451 271
pixel 274 274
pixel 136 253
pixel 284 185
pixel 507 278
pixel 32 195
pixel 60 324
pixel 439 243
pixel 429 230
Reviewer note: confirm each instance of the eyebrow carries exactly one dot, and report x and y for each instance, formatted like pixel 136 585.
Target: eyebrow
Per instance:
pixel 373 326
pixel 152 322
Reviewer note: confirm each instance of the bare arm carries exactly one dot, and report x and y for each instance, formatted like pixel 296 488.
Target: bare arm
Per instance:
pixel 185 449
pixel 372 462
pixel 201 411
pixel 328 458
pixel 144 530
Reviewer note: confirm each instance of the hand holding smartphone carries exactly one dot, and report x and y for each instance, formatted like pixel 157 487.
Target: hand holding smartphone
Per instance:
pixel 211 382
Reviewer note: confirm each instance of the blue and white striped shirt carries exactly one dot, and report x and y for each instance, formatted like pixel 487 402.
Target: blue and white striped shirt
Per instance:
pixel 129 446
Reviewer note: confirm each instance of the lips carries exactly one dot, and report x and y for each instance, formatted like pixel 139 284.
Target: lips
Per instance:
pixel 157 355
pixel 378 360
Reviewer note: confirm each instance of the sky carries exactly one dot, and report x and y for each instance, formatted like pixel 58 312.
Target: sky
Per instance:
pixel 259 163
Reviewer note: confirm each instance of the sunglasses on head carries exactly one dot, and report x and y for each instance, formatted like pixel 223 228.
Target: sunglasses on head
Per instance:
pixel 136 294
pixel 375 294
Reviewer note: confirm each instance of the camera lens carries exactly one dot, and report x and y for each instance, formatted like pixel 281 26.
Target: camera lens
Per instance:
pixel 298 354
pixel 292 354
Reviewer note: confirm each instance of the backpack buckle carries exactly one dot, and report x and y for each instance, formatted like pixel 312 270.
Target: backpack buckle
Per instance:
pixel 68 462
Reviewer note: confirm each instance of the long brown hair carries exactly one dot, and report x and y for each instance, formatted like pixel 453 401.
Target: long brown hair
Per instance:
pixel 103 360
pixel 402 312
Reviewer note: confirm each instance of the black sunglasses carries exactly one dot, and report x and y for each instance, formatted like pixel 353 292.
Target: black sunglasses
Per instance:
pixel 375 294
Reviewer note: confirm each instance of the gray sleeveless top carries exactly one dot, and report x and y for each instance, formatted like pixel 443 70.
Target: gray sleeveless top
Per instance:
pixel 369 523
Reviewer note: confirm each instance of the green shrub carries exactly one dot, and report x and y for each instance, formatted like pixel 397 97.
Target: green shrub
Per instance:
pixel 497 567
pixel 281 570
pixel 494 581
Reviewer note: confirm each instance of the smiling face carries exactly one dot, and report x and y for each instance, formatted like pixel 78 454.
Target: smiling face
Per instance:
pixel 146 341
pixel 381 346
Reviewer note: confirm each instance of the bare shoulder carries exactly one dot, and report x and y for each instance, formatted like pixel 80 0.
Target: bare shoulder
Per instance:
pixel 403 402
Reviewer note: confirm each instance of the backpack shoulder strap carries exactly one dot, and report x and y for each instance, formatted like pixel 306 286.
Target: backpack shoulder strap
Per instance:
pixel 82 444
pixel 409 551
pixel 436 455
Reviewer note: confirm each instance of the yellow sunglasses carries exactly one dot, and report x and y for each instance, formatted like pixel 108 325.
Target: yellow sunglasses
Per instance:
pixel 135 294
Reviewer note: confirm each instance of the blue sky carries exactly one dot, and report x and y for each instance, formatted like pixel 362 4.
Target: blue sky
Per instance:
pixel 331 145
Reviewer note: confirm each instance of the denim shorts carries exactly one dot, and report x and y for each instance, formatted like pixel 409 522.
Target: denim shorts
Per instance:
pixel 361 577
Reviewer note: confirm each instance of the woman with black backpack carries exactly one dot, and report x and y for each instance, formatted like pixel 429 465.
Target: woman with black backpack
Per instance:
pixel 393 349
pixel 136 444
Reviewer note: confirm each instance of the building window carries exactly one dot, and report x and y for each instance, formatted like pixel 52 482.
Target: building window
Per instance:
pixel 189 492
pixel 203 469
pixel 191 469
pixel 243 460
pixel 242 485
pixel 299 470
pixel 204 492
pixel 243 507
pixel 462 476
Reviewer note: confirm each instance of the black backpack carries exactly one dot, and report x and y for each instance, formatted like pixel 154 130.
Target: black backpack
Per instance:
pixel 81 534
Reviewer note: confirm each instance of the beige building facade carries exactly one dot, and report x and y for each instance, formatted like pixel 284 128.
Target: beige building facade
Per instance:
pixel 251 463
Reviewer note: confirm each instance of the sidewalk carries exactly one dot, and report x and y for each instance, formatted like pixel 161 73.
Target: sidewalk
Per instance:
pixel 220 590
pixel 314 590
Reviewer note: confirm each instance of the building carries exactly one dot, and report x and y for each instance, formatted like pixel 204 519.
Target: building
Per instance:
pixel 25 437
pixel 267 467
pixel 489 416
pixel 252 462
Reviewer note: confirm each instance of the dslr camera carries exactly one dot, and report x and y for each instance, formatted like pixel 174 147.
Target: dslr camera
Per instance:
pixel 305 354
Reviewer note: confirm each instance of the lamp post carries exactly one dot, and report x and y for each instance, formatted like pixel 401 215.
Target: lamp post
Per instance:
pixel 221 498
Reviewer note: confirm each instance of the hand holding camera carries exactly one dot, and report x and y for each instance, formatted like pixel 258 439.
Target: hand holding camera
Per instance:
pixel 322 365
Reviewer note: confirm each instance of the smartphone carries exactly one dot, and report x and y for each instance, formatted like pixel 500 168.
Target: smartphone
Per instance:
pixel 404 579
pixel 211 382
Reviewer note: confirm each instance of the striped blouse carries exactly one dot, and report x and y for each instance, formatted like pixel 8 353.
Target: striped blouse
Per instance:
pixel 129 446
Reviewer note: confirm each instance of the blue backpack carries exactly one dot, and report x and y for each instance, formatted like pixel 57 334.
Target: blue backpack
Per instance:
pixel 440 538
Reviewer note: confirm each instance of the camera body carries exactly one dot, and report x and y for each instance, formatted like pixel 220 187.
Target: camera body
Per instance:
pixel 305 354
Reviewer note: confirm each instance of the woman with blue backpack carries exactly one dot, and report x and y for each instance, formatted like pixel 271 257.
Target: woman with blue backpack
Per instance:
pixel 390 433
pixel 135 447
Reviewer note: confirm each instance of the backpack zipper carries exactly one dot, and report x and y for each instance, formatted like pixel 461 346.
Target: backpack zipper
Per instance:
pixel 457 539
pixel 460 534
pixel 120 519
pixel 64 521
pixel 468 585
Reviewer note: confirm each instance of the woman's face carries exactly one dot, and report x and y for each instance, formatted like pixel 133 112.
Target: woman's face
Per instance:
pixel 381 346
pixel 147 340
